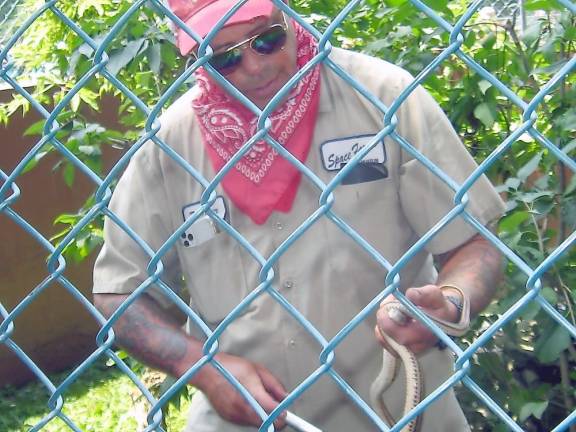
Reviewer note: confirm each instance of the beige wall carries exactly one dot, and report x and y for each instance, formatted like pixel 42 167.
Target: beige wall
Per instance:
pixel 55 330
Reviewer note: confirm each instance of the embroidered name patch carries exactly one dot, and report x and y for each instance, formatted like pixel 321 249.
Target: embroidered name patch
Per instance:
pixel 204 228
pixel 337 153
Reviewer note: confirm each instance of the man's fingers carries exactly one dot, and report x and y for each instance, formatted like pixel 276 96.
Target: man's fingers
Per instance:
pixel 260 383
pixel 271 384
pixel 383 341
pixel 394 322
pixel 427 297
pixel 409 331
pixel 269 393
pixel 378 335
pixel 269 403
pixel 389 298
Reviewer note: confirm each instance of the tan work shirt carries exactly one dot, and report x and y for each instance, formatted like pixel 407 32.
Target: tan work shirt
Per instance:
pixel 391 202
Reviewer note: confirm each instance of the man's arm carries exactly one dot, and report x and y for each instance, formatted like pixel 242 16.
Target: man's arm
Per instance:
pixel 475 268
pixel 152 336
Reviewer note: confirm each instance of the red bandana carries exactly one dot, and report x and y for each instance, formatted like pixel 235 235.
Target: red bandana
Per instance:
pixel 262 181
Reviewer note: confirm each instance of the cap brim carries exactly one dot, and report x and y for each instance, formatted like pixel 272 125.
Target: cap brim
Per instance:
pixel 205 19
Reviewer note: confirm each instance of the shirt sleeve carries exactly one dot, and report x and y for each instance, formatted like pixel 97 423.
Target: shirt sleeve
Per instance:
pixel 426 198
pixel 140 203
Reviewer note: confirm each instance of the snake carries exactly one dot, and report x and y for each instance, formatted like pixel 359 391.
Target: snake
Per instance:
pixel 395 354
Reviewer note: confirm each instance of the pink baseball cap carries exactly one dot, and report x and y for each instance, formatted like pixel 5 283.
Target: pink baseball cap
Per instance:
pixel 202 15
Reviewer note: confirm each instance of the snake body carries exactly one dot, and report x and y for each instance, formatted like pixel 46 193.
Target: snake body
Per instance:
pixel 414 384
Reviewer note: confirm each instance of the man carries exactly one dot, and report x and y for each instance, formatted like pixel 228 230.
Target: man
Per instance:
pixel 390 199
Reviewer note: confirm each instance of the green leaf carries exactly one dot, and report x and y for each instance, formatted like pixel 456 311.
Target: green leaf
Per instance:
pixel 60 235
pixel 439 5
pixel 569 147
pixel 551 343
pixel 551 68
pixel 395 3
pixel 90 98
pixel 69 174
pixel 534 5
pixel 532 33
pixel 484 86
pixel 37 158
pixel 535 409
pixel 570 33
pixel 493 365
pixel 485 113
pixel 544 205
pixel 530 167
pixel 530 311
pixel 513 183
pixel 90 150
pixel 530 197
pixel 567 120
pixel 168 54
pixel 91 4
pixel 122 57
pixel 511 222
pixel 75 102
pixel 35 128
pixel 154 58
pixel 68 219
pixel 550 295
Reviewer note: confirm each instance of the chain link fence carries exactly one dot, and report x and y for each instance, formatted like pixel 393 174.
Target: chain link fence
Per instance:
pixel 56 263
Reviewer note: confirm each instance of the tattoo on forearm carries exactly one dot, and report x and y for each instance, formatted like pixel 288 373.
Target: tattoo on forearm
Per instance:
pixel 150 335
pixel 476 267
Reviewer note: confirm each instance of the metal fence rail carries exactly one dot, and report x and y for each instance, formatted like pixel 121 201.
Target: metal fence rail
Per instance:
pixel 56 263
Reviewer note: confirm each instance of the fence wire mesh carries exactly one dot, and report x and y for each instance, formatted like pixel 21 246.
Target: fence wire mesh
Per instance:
pixel 103 66
pixel 505 9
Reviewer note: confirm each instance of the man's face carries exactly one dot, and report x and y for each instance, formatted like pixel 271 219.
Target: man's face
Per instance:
pixel 259 76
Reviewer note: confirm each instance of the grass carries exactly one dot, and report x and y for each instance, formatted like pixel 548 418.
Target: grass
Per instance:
pixel 103 399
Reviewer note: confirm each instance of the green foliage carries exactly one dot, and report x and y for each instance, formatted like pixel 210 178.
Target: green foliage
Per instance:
pixel 528 367
pixel 102 399
pixel 141 55
pixel 159 384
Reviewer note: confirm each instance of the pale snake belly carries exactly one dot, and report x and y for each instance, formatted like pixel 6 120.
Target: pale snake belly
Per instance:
pixel 414 379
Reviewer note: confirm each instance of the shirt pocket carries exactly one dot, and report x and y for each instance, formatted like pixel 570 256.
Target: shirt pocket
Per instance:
pixel 215 276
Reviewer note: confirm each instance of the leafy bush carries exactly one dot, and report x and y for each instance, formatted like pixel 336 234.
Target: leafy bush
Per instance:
pixel 529 368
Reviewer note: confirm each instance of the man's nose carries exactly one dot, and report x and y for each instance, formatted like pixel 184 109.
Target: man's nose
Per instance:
pixel 252 62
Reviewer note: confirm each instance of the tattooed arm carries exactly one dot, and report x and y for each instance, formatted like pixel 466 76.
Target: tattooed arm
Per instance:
pixel 475 268
pixel 152 336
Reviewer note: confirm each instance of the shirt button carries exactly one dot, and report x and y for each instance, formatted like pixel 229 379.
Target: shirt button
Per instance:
pixel 292 343
pixel 288 283
pixel 279 226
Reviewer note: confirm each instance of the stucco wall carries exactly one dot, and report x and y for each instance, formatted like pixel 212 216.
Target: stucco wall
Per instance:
pixel 54 330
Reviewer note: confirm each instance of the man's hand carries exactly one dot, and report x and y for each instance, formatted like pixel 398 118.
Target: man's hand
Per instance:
pixel 152 336
pixel 475 268
pixel 412 333
pixel 228 401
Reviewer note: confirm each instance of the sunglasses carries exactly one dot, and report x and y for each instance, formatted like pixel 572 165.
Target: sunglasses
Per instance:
pixel 268 42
